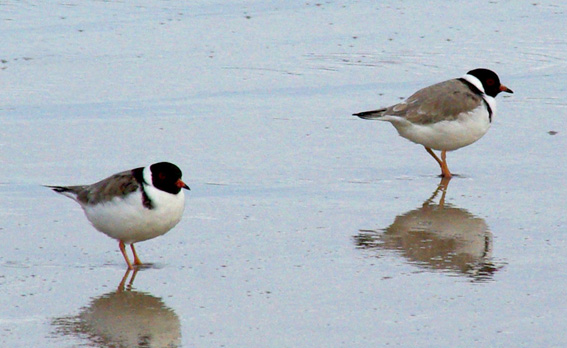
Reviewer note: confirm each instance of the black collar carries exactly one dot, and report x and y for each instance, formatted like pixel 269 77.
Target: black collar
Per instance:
pixel 477 91
pixel 138 174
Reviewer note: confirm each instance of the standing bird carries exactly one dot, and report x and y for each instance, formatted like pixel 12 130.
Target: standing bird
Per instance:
pixel 445 116
pixel 134 205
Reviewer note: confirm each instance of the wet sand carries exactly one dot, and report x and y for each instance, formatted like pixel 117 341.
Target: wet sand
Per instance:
pixel 304 226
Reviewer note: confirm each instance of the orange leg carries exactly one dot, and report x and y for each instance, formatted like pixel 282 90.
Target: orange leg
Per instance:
pixel 123 250
pixel 442 162
pixel 136 259
pixel 444 167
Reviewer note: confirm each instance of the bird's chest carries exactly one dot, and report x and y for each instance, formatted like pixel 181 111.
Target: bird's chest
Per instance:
pixel 451 134
pixel 130 219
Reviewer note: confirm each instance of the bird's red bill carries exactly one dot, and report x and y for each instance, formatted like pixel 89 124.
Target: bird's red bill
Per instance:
pixel 181 184
pixel 505 89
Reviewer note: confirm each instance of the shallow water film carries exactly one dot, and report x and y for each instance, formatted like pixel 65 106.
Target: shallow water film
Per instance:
pixel 304 226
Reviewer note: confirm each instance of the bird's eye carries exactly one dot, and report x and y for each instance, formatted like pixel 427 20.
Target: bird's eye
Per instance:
pixel 161 176
pixel 490 82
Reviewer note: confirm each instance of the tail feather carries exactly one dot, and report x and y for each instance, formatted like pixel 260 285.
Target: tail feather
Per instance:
pixel 68 191
pixel 59 189
pixel 371 115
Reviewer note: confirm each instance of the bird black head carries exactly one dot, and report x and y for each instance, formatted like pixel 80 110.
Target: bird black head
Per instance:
pixel 490 81
pixel 167 177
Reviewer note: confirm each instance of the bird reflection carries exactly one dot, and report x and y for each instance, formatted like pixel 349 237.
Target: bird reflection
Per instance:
pixel 124 318
pixel 437 236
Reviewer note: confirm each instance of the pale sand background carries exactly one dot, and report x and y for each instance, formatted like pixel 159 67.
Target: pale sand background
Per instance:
pixel 295 231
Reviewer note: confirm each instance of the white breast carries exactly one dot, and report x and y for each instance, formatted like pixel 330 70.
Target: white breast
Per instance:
pixel 447 135
pixel 129 221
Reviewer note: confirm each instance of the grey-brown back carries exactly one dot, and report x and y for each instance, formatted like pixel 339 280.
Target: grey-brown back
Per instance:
pixel 117 185
pixel 441 101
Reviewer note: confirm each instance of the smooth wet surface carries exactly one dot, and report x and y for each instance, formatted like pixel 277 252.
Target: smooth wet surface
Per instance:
pixel 304 226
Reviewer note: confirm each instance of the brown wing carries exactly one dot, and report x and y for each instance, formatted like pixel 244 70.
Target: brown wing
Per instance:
pixel 442 101
pixel 117 185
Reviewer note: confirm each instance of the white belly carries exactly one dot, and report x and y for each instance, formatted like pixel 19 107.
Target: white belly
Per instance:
pixel 127 220
pixel 445 135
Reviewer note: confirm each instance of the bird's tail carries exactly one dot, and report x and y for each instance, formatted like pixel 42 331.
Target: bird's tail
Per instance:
pixel 58 189
pixel 70 192
pixel 371 115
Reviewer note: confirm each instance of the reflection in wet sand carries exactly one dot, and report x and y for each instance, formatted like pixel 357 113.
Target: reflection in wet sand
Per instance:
pixel 439 237
pixel 124 318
